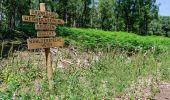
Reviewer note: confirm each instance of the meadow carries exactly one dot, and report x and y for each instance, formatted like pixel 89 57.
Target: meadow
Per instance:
pixel 93 64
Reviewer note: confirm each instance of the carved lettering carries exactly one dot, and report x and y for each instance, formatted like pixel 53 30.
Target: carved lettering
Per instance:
pixel 35 43
pixel 41 20
pixel 44 27
pixel 43 13
pixel 45 34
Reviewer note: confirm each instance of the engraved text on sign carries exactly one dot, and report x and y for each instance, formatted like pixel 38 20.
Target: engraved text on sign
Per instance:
pixel 35 43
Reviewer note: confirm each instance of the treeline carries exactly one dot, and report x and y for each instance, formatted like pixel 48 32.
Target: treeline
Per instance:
pixel 160 26
pixel 137 16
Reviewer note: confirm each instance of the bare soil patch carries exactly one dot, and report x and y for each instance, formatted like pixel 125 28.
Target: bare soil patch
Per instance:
pixel 164 93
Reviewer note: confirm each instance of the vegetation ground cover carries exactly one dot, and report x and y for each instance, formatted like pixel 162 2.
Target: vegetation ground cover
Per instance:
pixel 97 39
pixel 24 76
pixel 92 39
pixel 98 66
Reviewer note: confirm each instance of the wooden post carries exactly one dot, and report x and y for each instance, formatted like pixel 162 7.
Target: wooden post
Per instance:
pixel 48 58
pixel 45 24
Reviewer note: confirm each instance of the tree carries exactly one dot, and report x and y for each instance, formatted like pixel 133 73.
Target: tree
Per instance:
pixel 13 11
pixel 165 21
pixel 155 27
pixel 119 23
pixel 85 19
pixel 116 15
pixel 107 17
pixel 148 11
pixel 75 12
pixel 135 15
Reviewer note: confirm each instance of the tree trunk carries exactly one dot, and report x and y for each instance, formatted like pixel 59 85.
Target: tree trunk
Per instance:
pixel 84 14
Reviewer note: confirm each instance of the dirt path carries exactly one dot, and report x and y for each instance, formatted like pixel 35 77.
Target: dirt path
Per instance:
pixel 164 92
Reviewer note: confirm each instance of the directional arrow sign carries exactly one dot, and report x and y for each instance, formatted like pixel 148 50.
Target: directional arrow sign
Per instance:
pixel 43 13
pixel 45 34
pixel 44 27
pixel 41 20
pixel 36 43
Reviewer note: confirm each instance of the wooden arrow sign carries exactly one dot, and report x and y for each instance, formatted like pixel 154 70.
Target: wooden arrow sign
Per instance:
pixel 44 27
pixel 35 43
pixel 43 13
pixel 41 20
pixel 46 34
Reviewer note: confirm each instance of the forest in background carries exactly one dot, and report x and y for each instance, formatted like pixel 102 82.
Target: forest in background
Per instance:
pixel 136 16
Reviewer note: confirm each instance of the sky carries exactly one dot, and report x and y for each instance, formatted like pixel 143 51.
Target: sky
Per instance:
pixel 164 8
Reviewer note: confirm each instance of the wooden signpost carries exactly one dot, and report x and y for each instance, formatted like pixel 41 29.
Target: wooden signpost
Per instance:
pixel 46 40
pixel 36 19
pixel 44 27
pixel 46 33
pixel 35 43
pixel 43 13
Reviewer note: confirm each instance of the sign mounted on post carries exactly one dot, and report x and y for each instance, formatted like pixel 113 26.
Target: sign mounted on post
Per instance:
pixel 43 19
pixel 34 19
pixel 45 27
pixel 46 34
pixel 43 13
pixel 44 43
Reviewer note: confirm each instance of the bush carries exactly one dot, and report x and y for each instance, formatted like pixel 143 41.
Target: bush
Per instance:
pixel 97 39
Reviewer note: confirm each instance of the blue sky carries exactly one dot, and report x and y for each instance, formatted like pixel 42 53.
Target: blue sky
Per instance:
pixel 164 8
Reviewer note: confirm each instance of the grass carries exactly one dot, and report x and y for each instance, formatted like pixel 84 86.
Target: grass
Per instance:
pixel 107 78
pixel 104 65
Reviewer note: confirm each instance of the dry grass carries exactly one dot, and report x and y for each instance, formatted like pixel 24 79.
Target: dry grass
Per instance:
pixel 83 75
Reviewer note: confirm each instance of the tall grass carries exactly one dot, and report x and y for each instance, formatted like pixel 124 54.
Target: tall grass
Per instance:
pixel 106 78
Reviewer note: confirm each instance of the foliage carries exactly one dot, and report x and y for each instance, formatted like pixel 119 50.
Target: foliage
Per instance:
pixel 165 21
pixel 116 15
pixel 107 17
pixel 104 40
pixel 156 28
pixel 106 78
pixel 19 76
pixel 12 35
pixel 102 79
pixel 160 26
pixel 129 15
pixel 164 69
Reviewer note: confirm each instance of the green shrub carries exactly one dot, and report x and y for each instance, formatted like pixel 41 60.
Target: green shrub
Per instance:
pixel 97 39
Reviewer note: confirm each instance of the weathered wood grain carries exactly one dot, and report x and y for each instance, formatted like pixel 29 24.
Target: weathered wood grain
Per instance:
pixel 36 43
